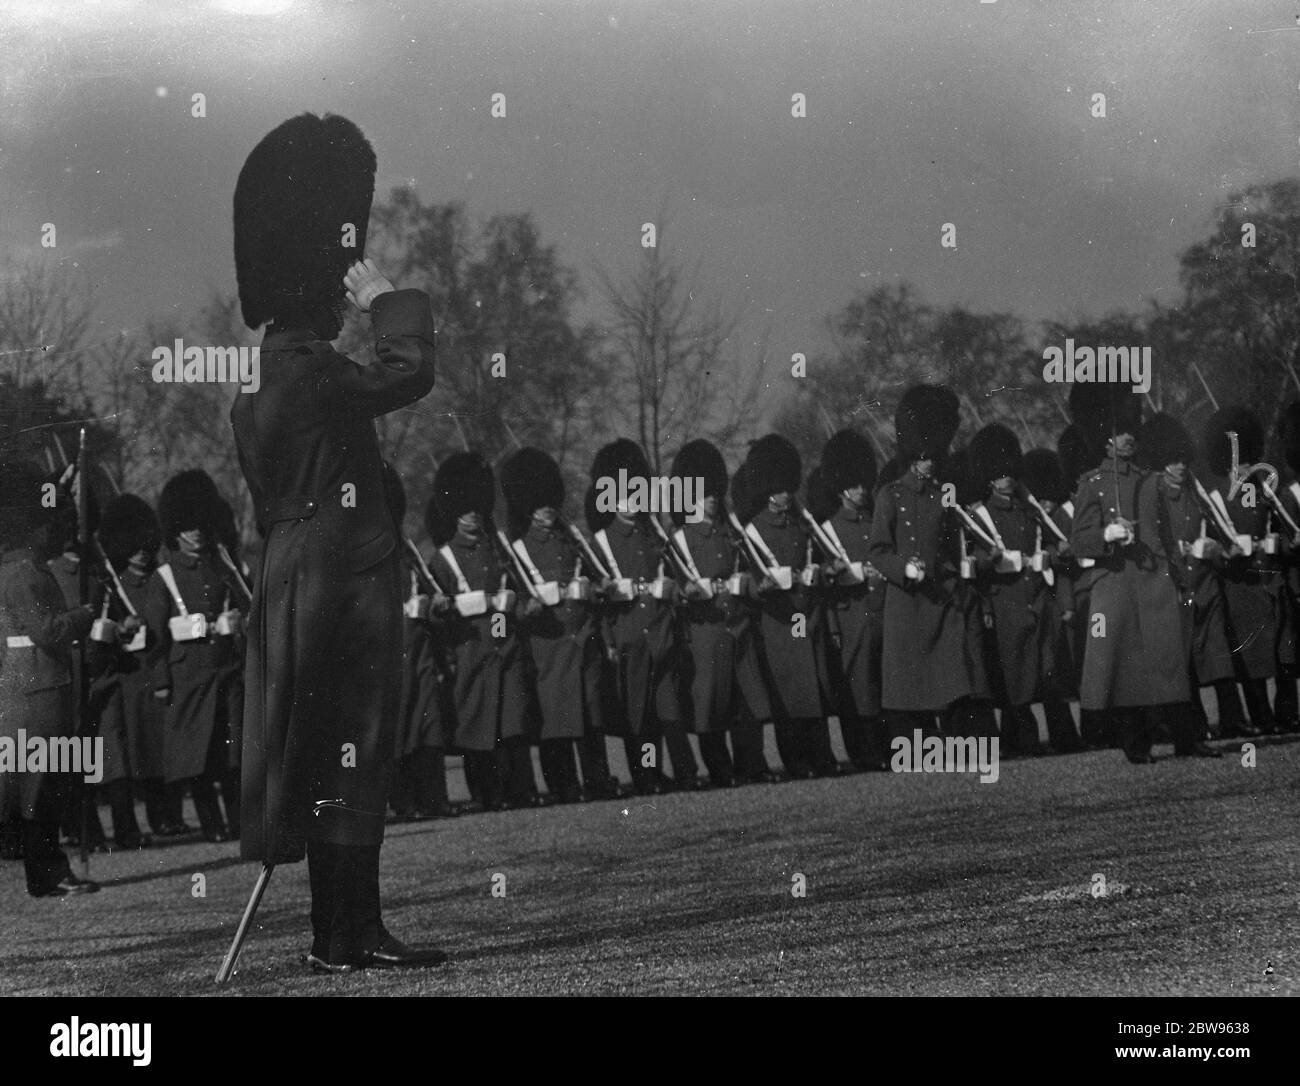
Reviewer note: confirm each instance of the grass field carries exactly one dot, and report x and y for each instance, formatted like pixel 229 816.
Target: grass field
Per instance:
pixel 917 884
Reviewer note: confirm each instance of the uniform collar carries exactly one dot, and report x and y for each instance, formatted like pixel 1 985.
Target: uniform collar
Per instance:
pixel 915 483
pixel 772 517
pixel 853 516
pixel 180 558
pixel 626 530
pixel 464 542
pixel 1124 467
pixel 540 531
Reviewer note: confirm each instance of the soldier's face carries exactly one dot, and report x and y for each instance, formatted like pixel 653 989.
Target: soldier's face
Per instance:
pixel 1177 472
pixel 1005 486
pixel 710 505
pixel 192 540
pixel 923 468
pixel 855 496
pixel 1123 446
pixel 545 516
pixel 780 501
pixel 470 523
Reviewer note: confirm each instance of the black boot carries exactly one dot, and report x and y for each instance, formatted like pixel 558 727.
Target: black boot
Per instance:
pixel 153 792
pixel 204 793
pixel 126 830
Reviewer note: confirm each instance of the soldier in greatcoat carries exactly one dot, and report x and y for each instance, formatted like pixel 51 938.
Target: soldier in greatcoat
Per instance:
pixel 37 700
pixel 563 642
pixel 131 719
pixel 1259 623
pixel 324 656
pixel 792 631
pixel 721 682
pixel 420 780
pixel 1134 664
pixel 1165 448
pixel 1044 479
pixel 194 613
pixel 493 729
pixel 1017 596
pixel 638 628
pixel 855 594
pixel 933 637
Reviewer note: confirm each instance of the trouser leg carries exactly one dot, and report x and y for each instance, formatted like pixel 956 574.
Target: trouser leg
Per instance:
pixel 345 911
pixel 230 785
pixel 1286 706
pixel 816 741
pixel 594 756
pixel 748 758
pixel 121 804
pixel 175 803
pixel 430 779
pixel 1257 706
pixel 559 769
pixel 1135 731
pixel 857 740
pixel 204 793
pixel 153 792
pixel 685 766
pixel 716 757
pixel 644 777
pixel 44 862
pixel 1061 734
pixel 515 765
pixel 790 749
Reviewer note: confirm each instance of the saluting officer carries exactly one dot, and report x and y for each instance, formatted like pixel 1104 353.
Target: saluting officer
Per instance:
pixel 325 631
pixel 36 694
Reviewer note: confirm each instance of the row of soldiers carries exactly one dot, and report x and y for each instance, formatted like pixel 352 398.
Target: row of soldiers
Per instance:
pixel 950 592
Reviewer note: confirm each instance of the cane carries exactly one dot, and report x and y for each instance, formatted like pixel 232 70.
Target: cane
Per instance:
pixel 246 921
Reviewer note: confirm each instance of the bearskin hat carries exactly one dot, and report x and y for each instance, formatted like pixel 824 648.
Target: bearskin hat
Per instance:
pixel 1218 446
pixel 775 466
pixel 847 461
pixel 21 508
pixel 700 459
pixel 1163 440
pixel 822 500
pixel 1102 409
pixel 623 454
pixel 464 483
pixel 745 498
pixel 1041 473
pixel 298 189
pixel 926 421
pixel 191 500
pixel 128 525
pixel 994 452
pixel 1288 428
pixel 1076 455
pixel 530 480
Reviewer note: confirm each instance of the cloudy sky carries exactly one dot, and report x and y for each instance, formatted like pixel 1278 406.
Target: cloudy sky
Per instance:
pixel 919 113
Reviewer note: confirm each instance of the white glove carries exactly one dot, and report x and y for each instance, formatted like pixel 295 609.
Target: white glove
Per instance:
pixel 913 572
pixel 1115 533
pixel 365 283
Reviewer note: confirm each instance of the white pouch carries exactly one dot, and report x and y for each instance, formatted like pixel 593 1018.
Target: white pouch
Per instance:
pixel 548 592
pixel 662 588
pixel 620 590
pixel 104 630
pixel 470 604
pixel 738 584
pixel 229 623
pixel 137 643
pixel 578 589
pixel 855 574
pixel 503 600
pixel 1269 544
pixel 191 627
pixel 1011 562
pixel 416 607
pixel 783 576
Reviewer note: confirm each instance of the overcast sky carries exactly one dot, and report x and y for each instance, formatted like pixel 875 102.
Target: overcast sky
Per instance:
pixel 920 112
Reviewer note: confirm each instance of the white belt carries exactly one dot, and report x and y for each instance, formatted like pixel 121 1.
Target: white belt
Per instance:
pixel 20 643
